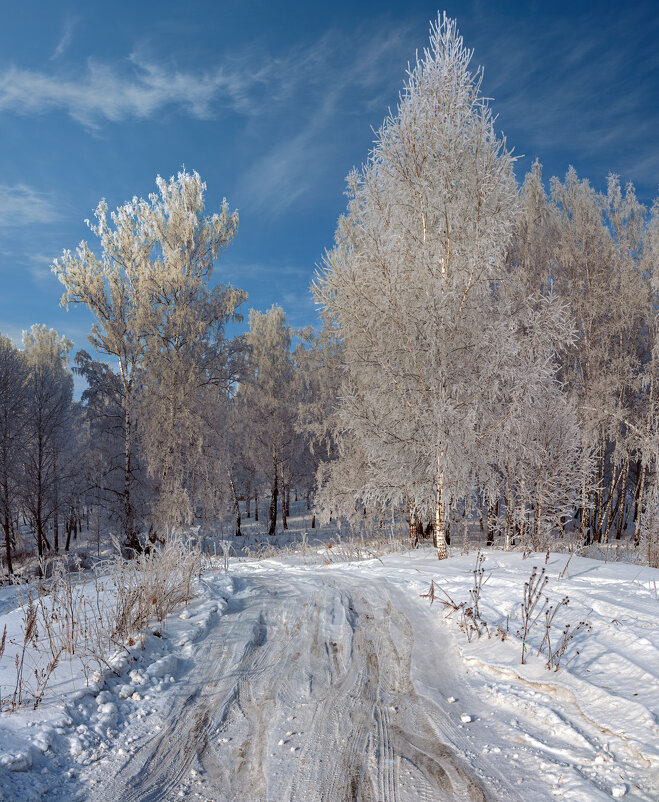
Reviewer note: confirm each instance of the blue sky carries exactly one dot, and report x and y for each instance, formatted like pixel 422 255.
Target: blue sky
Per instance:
pixel 273 103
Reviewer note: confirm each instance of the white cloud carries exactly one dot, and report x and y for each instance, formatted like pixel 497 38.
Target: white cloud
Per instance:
pixel 104 92
pixel 22 205
pixel 39 267
pixel 65 39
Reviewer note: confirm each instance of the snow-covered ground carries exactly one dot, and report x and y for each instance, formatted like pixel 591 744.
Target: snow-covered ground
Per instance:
pixel 306 678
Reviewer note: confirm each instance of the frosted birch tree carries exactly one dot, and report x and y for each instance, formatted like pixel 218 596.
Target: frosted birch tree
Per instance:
pixel 110 285
pixel 439 339
pixel 647 523
pixel 587 247
pixel 186 351
pixel 156 256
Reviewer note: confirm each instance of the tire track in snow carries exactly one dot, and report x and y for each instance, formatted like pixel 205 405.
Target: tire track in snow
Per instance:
pixel 302 695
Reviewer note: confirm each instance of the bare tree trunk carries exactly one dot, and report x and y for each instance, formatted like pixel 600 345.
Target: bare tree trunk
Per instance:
pixel 584 537
pixel 130 535
pixel 69 529
pixel 275 493
pixel 439 539
pixel 236 504
pixel 413 526
pixel 507 543
pixel 7 523
pixel 639 502
pixel 599 495
pixel 256 505
pixel 621 503
pixel 7 531
pixel 639 474
pixel 248 500
pixel 284 521
pixel 490 524
pixel 538 517
pixel 609 503
pixel 55 505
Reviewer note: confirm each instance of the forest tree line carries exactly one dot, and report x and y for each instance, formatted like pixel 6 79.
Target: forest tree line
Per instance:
pixel 487 354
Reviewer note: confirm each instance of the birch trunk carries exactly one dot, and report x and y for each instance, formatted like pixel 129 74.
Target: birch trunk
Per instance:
pixel 438 532
pixel 284 520
pixel 639 515
pixel 413 527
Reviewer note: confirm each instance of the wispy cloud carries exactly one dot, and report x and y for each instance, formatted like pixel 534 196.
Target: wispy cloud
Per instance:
pixel 325 82
pixel 22 205
pixel 65 39
pixel 577 86
pixel 39 268
pixel 107 93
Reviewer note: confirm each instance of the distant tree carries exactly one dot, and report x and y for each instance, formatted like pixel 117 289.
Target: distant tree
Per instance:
pixel 587 247
pixel 647 524
pixel 103 412
pixel 319 374
pixel 47 428
pixel 269 391
pixel 13 408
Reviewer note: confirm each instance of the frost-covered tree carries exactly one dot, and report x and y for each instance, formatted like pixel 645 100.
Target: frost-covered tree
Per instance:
pixel 186 350
pixel 13 407
pixel 647 523
pixel 269 391
pixel 440 341
pixel 587 247
pixel 110 285
pixel 156 316
pixel 47 429
pixel 104 460
pixel 318 375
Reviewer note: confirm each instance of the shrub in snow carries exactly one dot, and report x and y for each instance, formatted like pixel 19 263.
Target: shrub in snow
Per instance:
pixel 92 615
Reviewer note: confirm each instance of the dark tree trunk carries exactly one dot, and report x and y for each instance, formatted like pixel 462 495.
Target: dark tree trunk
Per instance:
pixel 56 506
pixel 130 535
pixel 69 530
pixel 236 504
pixel 274 495
pixel 284 511
pixel 7 531
pixel 490 524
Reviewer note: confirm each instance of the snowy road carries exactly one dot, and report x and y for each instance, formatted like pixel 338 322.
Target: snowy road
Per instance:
pixel 306 679
pixel 303 690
